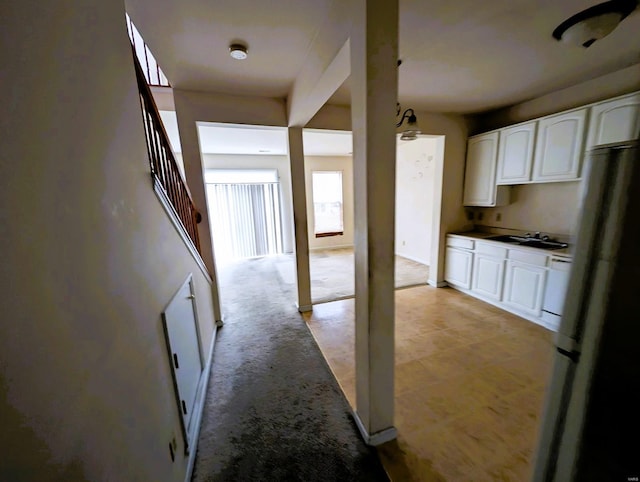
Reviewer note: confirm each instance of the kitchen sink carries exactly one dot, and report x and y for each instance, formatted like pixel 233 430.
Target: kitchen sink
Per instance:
pixel 529 242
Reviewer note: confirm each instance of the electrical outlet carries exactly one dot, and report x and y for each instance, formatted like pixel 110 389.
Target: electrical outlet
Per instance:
pixel 480 216
pixel 470 215
pixel 403 243
pixel 498 217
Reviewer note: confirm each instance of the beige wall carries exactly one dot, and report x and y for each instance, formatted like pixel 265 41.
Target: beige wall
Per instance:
pixel 90 258
pixel 611 85
pixel 549 208
pixel 415 172
pixel 329 163
pixel 448 213
pixel 281 163
pixel 335 117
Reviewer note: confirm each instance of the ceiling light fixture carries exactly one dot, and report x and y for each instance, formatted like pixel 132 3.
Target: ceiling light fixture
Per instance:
pixel 594 23
pixel 238 51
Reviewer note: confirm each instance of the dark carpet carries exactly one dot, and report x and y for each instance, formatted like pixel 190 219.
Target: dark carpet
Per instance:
pixel 273 410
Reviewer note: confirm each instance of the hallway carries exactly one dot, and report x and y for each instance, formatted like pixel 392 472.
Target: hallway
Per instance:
pixel 273 410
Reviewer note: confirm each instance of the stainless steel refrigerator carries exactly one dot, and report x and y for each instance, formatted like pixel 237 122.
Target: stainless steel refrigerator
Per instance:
pixel 591 421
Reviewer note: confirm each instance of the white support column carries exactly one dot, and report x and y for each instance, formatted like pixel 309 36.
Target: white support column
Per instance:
pixel 298 191
pixel 374 54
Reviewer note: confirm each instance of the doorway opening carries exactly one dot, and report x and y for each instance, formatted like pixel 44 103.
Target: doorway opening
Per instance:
pixel 248 188
pixel 330 208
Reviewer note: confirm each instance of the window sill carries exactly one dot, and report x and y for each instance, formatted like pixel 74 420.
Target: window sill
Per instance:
pixel 326 235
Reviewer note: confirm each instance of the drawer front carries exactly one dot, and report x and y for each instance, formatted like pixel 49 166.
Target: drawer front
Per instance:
pixel 491 250
pixel 560 264
pixel 529 258
pixel 463 243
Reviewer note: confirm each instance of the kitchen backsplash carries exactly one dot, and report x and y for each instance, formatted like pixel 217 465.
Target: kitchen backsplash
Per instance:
pixel 547 207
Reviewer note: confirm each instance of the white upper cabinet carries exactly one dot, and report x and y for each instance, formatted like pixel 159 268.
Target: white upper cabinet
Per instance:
pixel 515 153
pixel 617 120
pixel 559 146
pixel 480 172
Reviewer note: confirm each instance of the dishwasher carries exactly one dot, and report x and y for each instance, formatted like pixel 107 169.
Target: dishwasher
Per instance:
pixel 556 291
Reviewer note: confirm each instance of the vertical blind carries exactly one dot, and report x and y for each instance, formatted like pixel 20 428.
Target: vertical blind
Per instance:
pixel 245 216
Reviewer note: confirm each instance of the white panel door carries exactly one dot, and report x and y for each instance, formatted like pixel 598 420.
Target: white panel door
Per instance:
pixel 480 171
pixel 457 267
pixel 184 349
pixel 488 276
pixel 558 150
pixel 515 154
pixel 617 120
pixel 524 287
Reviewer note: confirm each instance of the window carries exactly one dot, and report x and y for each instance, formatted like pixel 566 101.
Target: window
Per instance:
pixel 327 203
pixel 244 212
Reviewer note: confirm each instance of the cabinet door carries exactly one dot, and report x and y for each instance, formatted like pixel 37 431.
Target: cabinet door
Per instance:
pixel 614 121
pixel 524 287
pixel 515 154
pixel 558 148
pixel 488 275
pixel 457 267
pixel 480 171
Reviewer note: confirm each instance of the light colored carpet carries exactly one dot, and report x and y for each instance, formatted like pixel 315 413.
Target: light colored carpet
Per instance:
pixel 273 409
pixel 333 273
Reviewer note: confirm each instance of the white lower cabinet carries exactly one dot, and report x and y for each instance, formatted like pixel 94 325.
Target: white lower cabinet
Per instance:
pixel 514 279
pixel 524 287
pixel 488 275
pixel 457 267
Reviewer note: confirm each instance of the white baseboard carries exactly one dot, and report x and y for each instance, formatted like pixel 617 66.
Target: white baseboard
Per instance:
pixel 413 258
pixel 437 284
pixel 377 438
pixel 338 246
pixel 526 316
pixel 200 401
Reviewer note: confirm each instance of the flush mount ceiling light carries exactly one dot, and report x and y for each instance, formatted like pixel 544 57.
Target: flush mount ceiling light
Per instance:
pixel 594 23
pixel 238 51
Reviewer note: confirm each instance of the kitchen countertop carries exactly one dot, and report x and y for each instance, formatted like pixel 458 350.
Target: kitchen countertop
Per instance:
pixel 481 235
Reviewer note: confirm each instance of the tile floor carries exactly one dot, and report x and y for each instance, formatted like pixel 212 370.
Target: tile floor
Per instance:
pixel 470 381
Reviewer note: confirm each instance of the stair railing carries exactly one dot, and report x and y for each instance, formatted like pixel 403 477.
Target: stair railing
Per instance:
pixel 164 168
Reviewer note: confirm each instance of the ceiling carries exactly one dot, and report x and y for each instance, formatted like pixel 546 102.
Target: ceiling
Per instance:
pixel 460 56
